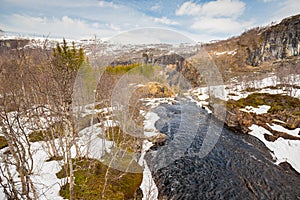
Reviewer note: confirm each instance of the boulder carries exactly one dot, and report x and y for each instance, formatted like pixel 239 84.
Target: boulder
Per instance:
pixel 155 90
pixel 159 139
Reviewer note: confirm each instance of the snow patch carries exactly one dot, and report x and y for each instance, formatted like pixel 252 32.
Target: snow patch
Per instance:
pixel 284 150
pixel 276 127
pixel 149 124
pixel 260 110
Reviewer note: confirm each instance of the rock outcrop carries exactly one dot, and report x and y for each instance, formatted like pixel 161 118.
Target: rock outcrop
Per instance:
pixel 154 90
pixel 158 140
pixel 272 43
pixel 258 45
pixel 283 110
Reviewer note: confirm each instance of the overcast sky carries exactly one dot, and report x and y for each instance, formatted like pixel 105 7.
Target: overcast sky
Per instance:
pixel 201 20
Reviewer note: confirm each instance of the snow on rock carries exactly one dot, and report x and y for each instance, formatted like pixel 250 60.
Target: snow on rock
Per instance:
pixel 149 124
pixel 148 186
pixel 284 150
pixel 260 110
pixel 294 132
pixel 154 102
pixel 233 52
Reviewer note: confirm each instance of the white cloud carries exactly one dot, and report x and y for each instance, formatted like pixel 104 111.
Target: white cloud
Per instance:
pixel 104 4
pixel 114 27
pixel 220 25
pixel 267 1
pixel 287 8
pixel 223 8
pixel 47 3
pixel 188 8
pixel 56 27
pixel 218 8
pixel 165 20
pixel 155 7
pixel 151 36
pixel 218 16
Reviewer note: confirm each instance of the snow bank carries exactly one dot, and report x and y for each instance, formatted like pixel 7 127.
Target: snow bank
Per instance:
pixel 148 186
pixel 283 150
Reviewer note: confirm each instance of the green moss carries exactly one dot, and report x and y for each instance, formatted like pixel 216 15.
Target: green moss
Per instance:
pixel 53 132
pixel 280 104
pixel 122 139
pixel 90 178
pixel 3 142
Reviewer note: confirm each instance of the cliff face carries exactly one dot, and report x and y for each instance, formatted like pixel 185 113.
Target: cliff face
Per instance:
pixel 258 45
pixel 276 42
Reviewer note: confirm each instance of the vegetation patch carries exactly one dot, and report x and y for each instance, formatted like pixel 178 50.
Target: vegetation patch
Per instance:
pixel 3 142
pixel 57 158
pixel 90 180
pixel 53 132
pixel 284 108
pixel 135 68
pixel 123 140
pixel 120 69
pixel 278 103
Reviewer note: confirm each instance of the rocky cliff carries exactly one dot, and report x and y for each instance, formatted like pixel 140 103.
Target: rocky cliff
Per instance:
pixel 259 45
pixel 272 43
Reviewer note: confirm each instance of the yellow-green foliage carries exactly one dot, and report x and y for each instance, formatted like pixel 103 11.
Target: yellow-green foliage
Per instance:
pixel 3 142
pixel 135 68
pixel 120 69
pixel 145 70
pixel 90 178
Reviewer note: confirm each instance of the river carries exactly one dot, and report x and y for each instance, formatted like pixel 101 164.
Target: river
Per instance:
pixel 239 166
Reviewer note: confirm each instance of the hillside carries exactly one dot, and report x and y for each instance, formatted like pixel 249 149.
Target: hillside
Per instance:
pixel 259 48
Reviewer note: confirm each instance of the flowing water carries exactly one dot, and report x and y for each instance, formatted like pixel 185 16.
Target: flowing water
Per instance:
pixel 238 167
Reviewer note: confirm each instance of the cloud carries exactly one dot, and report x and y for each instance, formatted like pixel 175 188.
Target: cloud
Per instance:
pixel 220 25
pixel 219 8
pixel 114 27
pixel 107 4
pixel 219 16
pixel 57 27
pixel 188 8
pixel 165 20
pixel 287 8
pixel 267 1
pixel 151 36
pixel 47 3
pixel 155 7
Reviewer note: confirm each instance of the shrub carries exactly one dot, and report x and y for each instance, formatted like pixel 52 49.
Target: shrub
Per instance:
pixel 90 178
pixel 3 142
